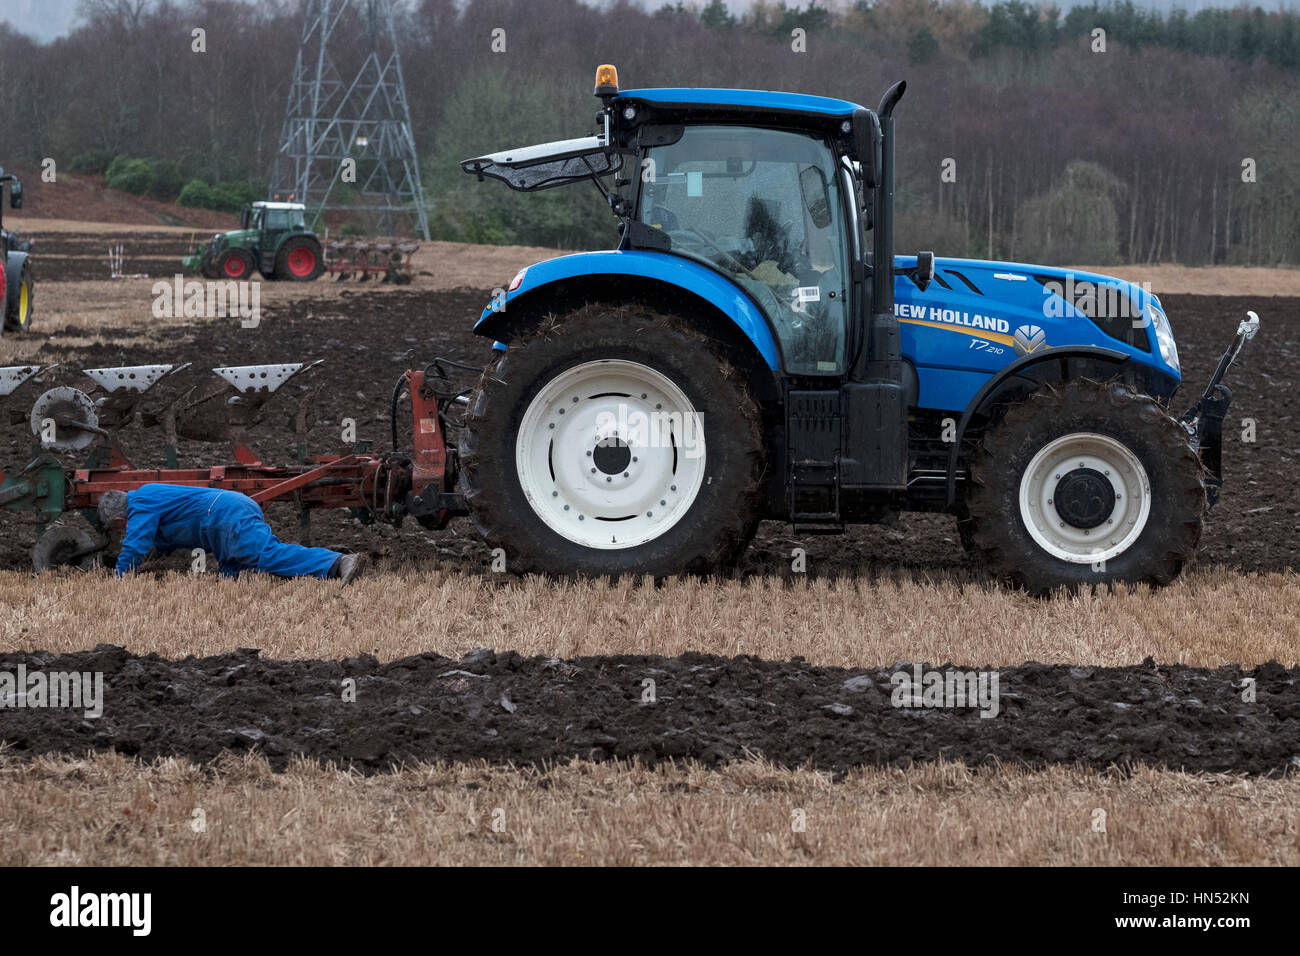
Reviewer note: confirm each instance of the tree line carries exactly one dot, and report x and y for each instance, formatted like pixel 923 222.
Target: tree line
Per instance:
pixel 1107 134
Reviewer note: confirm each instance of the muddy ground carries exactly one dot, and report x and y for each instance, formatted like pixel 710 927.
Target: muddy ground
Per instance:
pixel 368 334
pixel 507 709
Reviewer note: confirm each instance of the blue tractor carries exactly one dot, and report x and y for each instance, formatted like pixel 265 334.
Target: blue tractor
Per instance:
pixel 753 349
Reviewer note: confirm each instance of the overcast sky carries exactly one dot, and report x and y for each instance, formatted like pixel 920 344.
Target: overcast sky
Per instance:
pixel 47 19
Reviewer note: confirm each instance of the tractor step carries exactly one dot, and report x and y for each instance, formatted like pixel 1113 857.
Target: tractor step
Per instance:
pixel 814 483
pixel 813 431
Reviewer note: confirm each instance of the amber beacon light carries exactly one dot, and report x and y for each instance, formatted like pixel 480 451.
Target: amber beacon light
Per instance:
pixel 606 80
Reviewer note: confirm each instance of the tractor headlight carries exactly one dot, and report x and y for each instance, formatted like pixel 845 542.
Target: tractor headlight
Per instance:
pixel 1164 338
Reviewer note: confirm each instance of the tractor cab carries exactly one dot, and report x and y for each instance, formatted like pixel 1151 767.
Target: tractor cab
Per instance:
pixel 274 218
pixel 764 189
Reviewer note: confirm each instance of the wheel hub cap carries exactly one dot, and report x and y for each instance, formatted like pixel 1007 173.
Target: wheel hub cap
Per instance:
pixel 1084 497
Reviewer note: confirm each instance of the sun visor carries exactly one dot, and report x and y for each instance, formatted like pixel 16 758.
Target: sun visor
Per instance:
pixel 546 165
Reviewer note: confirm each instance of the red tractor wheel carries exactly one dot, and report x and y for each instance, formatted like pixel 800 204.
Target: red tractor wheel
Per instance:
pixel 236 264
pixel 299 260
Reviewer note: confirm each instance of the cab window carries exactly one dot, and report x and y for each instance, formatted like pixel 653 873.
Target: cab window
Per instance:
pixel 764 208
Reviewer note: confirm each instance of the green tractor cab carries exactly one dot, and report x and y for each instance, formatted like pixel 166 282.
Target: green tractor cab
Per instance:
pixel 272 238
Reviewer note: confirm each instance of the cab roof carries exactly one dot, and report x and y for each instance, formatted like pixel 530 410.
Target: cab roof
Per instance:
pixel 752 99
pixel 278 205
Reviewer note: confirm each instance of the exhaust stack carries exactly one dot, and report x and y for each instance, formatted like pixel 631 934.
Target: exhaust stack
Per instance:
pixel 875 422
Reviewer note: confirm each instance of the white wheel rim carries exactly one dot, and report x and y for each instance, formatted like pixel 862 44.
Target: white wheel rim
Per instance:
pixel 610 454
pixel 1106 460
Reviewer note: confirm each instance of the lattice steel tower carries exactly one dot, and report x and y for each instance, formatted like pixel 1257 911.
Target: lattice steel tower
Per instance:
pixel 367 120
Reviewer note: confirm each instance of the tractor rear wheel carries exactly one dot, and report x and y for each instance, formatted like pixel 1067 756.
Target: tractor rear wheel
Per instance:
pixel 299 260
pixel 236 264
pixel 614 440
pixel 1091 483
pixel 18 307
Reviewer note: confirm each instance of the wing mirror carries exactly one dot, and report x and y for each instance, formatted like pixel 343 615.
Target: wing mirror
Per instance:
pixel 867 144
pixel 924 269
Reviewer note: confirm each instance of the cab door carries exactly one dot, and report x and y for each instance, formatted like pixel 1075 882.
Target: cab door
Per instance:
pixel 764 207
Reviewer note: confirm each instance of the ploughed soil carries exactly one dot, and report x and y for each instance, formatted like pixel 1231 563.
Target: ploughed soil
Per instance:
pixel 504 708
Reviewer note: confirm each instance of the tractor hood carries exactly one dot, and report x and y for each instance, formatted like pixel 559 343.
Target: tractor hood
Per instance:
pixel 1071 306
pixel 234 237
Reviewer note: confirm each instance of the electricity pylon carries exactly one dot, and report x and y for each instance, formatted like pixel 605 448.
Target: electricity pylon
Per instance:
pixel 355 137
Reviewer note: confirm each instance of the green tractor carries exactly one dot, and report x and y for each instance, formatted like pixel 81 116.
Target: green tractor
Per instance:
pixel 272 238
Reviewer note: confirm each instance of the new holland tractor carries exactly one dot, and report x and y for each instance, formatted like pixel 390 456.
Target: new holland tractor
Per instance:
pixel 272 238
pixel 16 281
pixel 754 349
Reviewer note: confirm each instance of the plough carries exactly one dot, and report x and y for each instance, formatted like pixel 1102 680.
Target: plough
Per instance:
pixel 388 260
pixel 386 486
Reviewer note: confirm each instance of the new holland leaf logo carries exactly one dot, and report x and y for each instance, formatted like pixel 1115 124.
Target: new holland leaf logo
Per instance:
pixel 1030 338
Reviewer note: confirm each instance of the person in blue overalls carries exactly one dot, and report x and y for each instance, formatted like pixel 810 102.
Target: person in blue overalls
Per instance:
pixel 165 518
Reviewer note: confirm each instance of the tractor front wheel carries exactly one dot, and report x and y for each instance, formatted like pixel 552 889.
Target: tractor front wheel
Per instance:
pixel 1091 483
pixel 300 260
pixel 614 441
pixel 236 264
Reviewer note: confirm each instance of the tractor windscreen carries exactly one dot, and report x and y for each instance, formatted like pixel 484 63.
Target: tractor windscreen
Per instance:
pixel 279 220
pixel 547 165
pixel 763 207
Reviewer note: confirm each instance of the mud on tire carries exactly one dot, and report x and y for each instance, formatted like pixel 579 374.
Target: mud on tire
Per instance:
pixel 997 525
pixel 718 522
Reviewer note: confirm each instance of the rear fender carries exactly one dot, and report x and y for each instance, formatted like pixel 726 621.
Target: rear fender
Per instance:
pixel 575 279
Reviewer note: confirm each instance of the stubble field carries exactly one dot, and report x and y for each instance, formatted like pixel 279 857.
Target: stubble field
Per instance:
pixel 580 765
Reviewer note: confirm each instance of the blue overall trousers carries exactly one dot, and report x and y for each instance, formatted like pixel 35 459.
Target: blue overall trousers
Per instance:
pixel 165 518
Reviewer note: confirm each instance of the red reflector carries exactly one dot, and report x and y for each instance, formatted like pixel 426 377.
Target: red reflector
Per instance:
pixel 517 281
